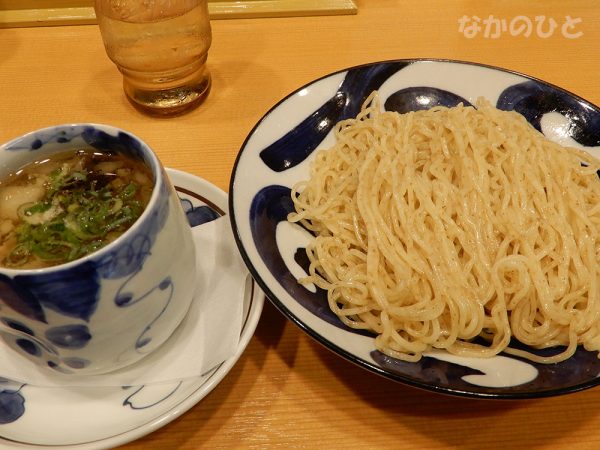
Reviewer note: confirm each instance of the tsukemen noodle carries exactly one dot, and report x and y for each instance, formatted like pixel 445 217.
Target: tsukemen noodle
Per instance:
pixel 458 229
pixel 61 208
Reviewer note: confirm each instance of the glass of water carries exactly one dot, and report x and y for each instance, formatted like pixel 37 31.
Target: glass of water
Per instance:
pixel 161 48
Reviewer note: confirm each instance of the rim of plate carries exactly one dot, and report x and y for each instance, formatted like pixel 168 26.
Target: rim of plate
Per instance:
pixel 320 338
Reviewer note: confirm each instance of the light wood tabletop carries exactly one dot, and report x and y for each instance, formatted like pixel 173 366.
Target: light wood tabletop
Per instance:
pixel 287 391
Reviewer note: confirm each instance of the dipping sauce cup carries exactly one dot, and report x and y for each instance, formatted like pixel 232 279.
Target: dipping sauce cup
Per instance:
pixel 112 307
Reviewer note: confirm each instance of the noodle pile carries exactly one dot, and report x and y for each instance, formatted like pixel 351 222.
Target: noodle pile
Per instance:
pixel 437 227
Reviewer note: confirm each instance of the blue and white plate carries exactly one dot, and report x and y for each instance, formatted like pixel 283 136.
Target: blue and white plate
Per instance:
pixel 277 152
pixel 93 418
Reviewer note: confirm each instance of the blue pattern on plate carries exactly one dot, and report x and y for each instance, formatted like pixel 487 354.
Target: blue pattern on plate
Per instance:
pixel 136 401
pixel 580 370
pixel 421 98
pixel 197 215
pixel 301 141
pixel 533 99
pixel 269 207
pixel 12 403
pixel 271 204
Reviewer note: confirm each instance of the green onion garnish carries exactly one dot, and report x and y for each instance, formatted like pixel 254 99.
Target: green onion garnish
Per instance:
pixel 75 217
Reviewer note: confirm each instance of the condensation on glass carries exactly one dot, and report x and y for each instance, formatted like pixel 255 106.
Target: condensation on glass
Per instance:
pixel 161 48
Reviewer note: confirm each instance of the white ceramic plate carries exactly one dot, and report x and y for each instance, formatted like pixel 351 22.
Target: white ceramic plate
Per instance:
pixel 105 417
pixel 277 153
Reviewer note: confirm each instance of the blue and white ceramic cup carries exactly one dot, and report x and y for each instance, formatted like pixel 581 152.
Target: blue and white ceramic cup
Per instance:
pixel 111 308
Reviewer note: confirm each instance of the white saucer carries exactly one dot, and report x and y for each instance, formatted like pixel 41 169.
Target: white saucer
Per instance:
pixel 105 417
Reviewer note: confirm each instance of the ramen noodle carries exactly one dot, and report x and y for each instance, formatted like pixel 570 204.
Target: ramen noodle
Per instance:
pixel 458 229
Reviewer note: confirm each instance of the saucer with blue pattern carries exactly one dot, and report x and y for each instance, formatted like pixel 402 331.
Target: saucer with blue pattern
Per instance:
pixel 94 418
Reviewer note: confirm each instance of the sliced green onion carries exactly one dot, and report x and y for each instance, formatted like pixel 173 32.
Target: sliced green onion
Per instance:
pixel 84 215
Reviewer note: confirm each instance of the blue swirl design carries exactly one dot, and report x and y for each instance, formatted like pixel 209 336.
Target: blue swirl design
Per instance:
pixel 28 346
pixel 126 259
pixel 533 99
pixel 579 369
pixel 130 256
pixel 197 215
pixel 19 299
pixel 136 404
pixel 37 140
pixel 17 326
pixel 69 336
pixel 269 207
pixel 123 143
pixel 24 338
pixel 421 98
pixel 12 404
pixel 74 292
pixel 293 148
pixel 71 292
pixel 272 203
pixel 95 137
pixel 125 299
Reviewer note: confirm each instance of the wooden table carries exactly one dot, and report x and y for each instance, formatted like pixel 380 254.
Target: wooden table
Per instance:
pixel 287 391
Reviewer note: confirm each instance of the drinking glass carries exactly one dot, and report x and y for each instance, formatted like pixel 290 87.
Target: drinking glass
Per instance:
pixel 161 48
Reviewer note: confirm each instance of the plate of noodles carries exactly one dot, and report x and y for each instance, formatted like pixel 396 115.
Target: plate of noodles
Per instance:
pixel 435 222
